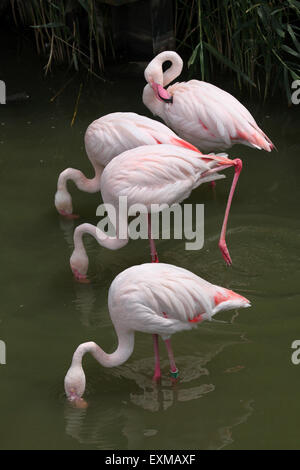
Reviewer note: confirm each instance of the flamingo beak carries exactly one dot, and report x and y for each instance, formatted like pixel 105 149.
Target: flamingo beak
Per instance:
pixel 161 94
pixel 77 401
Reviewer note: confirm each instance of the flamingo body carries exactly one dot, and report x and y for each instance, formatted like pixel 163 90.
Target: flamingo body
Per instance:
pixel 159 299
pixel 151 174
pixel 205 115
pixel 105 138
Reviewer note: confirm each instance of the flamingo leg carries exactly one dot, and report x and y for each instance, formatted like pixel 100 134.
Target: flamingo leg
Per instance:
pixel 173 369
pixel 222 242
pixel 157 371
pixel 154 259
pixel 154 256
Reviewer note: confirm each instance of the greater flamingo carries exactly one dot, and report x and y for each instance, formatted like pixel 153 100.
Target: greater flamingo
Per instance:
pixel 160 299
pixel 105 138
pixel 152 174
pixel 199 112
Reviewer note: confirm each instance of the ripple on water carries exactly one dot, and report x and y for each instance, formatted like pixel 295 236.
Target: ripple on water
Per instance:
pixel 265 257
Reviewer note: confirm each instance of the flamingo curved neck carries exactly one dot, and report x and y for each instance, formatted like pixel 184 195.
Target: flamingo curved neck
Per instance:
pixel 79 260
pixel 90 185
pixel 112 243
pixel 176 67
pixel 154 71
pixel 118 357
pixel 154 74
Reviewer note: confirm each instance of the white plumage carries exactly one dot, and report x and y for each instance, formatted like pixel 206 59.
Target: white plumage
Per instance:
pixel 159 299
pixel 151 174
pixel 199 112
pixel 105 138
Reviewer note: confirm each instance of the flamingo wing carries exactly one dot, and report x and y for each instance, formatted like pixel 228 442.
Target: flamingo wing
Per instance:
pixel 162 298
pixel 110 135
pixel 211 118
pixel 154 174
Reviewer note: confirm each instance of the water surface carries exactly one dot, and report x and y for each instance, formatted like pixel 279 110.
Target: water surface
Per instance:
pixel 238 388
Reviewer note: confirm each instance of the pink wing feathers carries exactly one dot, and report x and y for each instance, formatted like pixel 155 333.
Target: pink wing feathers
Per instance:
pixel 211 118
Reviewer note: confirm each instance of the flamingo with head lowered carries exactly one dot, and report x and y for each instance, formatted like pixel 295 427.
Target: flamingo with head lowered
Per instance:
pixel 160 299
pixel 197 111
pixel 152 174
pixel 105 138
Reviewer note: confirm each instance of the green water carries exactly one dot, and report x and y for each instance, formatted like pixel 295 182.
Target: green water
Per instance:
pixel 238 388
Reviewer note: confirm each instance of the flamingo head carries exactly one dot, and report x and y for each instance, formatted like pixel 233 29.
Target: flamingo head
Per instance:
pixel 79 263
pixel 63 202
pixel 155 95
pixel 75 383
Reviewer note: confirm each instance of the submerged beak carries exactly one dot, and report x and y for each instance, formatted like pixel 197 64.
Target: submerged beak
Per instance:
pixel 161 93
pixel 76 401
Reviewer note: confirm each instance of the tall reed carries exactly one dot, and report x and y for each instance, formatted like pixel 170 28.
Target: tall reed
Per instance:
pixel 77 32
pixel 256 40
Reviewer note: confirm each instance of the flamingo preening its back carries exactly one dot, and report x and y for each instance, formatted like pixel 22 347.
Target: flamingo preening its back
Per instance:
pixel 199 112
pixel 105 138
pixel 148 175
pixel 156 298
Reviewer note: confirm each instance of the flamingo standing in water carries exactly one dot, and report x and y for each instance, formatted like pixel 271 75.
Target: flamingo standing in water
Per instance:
pixel 199 112
pixel 106 138
pixel 152 174
pixel 160 299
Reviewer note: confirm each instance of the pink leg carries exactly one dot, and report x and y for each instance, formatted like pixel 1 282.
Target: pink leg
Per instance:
pixel 154 256
pixel 173 369
pixel 222 243
pixel 154 259
pixel 157 372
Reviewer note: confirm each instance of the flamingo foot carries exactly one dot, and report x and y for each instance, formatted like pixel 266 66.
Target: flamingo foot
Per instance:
pixel 81 278
pixel 154 258
pixel 225 252
pixel 213 184
pixel 68 216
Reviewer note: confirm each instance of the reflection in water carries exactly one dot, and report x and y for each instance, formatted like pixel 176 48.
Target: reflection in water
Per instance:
pixel 225 434
pixel 142 411
pixel 67 227
pixel 254 264
pixel 85 293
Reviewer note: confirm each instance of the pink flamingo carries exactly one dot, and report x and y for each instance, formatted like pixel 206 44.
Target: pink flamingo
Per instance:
pixel 160 299
pixel 106 138
pixel 152 174
pixel 199 112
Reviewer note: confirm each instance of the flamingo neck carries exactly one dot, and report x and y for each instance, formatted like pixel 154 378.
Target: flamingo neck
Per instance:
pixel 118 357
pixel 154 70
pixel 154 75
pixel 63 199
pixel 79 260
pixel 90 185
pixel 75 378
pixel 174 70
